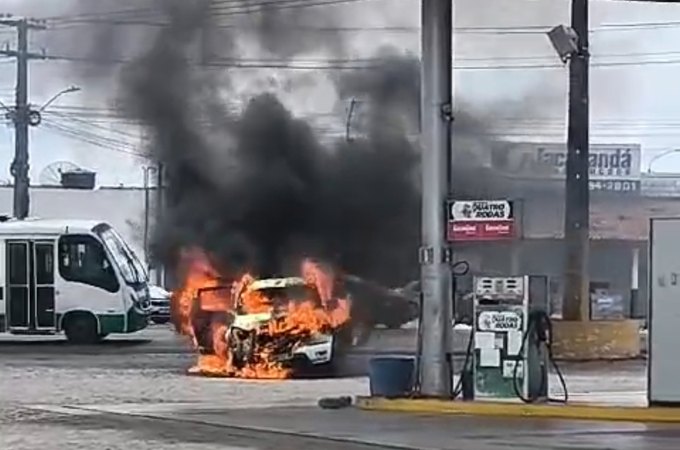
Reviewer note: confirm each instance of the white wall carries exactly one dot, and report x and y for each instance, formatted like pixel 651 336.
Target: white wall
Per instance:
pixel 123 208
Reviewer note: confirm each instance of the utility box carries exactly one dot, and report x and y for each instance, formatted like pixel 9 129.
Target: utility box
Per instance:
pixel 508 362
pixel 663 358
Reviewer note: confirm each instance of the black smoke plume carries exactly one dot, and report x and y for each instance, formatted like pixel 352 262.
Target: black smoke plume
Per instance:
pixel 258 189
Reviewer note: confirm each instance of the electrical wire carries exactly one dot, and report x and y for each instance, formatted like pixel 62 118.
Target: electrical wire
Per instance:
pixel 135 20
pixel 117 115
pixel 92 134
pixel 378 64
pixel 78 120
pixel 97 118
pixel 218 9
pixel 226 8
pixel 89 139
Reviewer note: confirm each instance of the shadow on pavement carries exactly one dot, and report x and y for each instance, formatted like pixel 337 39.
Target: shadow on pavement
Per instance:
pixel 54 345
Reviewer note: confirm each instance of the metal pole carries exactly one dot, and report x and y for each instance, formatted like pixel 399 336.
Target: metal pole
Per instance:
pixel 348 125
pixel 146 215
pixel 436 98
pixel 576 304
pixel 160 211
pixel 20 165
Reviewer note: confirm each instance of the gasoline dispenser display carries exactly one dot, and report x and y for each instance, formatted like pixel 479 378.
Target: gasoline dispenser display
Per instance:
pixel 510 355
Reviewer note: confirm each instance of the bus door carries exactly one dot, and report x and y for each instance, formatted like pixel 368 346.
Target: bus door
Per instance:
pixel 30 285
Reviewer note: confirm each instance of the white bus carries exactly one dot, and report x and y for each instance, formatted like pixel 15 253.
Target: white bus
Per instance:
pixel 73 276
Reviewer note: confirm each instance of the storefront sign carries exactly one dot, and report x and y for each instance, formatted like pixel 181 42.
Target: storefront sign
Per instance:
pixel 616 186
pixel 607 162
pixel 484 220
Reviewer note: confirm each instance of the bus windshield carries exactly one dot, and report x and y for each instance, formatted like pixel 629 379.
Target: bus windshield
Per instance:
pixel 130 267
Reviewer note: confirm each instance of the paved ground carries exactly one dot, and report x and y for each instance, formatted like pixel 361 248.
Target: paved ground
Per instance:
pixel 134 394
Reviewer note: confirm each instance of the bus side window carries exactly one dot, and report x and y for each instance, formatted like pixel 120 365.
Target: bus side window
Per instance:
pixel 82 259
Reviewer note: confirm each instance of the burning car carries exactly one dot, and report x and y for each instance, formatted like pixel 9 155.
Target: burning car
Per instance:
pixel 248 338
pixel 261 328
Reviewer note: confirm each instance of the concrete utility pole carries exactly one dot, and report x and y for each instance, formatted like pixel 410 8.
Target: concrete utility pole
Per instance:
pixel 436 98
pixel 22 115
pixel 161 279
pixel 577 203
pixel 147 171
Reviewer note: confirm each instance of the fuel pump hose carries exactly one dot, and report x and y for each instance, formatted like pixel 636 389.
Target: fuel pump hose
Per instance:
pixel 540 324
pixel 468 359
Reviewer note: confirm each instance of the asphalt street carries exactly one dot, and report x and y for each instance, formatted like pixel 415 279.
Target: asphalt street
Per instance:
pixel 134 393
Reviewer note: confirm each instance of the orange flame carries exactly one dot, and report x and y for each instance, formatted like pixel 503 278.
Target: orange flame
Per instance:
pixel 204 307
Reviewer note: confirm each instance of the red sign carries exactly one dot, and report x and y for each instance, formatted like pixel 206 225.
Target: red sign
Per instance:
pixel 480 220
pixel 481 230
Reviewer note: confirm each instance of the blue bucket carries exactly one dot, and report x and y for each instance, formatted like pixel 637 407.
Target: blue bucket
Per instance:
pixel 391 376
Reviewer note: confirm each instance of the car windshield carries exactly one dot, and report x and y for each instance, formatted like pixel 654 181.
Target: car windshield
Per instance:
pixel 282 296
pixel 130 267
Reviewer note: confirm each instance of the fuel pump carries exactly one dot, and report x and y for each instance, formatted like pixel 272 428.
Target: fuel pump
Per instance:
pixel 512 332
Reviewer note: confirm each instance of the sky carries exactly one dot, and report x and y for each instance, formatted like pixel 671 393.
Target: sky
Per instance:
pixel 634 79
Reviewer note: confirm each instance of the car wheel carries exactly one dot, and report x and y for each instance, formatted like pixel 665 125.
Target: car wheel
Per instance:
pixel 393 325
pixel 160 320
pixel 81 329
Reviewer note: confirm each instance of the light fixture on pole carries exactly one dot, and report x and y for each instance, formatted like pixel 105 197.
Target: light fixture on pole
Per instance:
pixel 59 94
pixel 564 40
pixel 659 156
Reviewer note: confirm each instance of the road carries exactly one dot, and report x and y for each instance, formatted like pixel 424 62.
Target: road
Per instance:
pixel 134 393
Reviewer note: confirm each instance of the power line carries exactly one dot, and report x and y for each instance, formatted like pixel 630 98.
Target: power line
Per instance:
pixel 219 8
pixel 92 115
pixel 493 30
pixel 77 120
pixel 252 7
pixel 89 139
pixel 638 25
pixel 95 135
pixel 364 65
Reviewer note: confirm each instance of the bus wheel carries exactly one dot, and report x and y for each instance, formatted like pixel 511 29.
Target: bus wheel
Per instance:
pixel 81 329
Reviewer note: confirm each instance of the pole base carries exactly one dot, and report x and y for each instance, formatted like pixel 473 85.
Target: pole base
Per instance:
pixel 596 340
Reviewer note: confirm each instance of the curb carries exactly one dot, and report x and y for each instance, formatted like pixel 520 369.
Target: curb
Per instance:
pixel 571 411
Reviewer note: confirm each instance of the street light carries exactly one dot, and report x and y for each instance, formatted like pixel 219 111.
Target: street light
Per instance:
pixel 34 116
pixel 565 41
pixel 24 117
pixel 659 156
pixel 57 95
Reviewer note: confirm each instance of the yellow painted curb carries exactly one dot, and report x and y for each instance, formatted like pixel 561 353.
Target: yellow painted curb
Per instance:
pixel 572 411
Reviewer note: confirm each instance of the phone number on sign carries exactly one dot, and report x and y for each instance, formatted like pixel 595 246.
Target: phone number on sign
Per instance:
pixel 615 186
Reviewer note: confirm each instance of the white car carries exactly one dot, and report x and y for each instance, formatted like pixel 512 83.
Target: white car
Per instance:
pixel 160 305
pixel 243 338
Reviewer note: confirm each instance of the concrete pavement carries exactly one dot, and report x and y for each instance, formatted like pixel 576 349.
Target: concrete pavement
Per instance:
pixel 136 395
pixel 351 428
